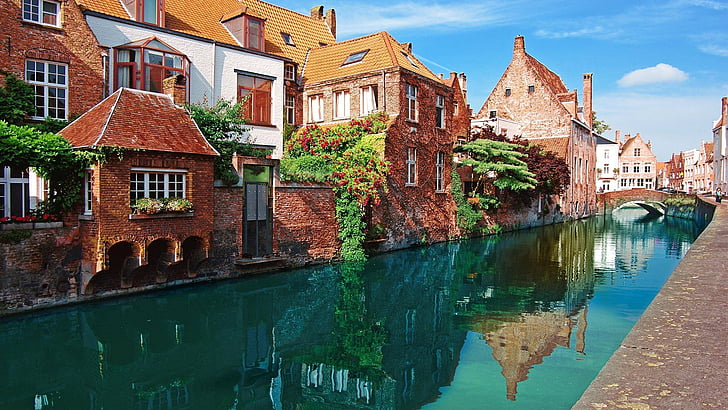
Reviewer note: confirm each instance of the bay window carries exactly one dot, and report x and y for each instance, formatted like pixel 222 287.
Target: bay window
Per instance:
pixel 144 64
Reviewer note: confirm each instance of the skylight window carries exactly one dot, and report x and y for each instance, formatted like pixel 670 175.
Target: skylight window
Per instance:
pixel 407 56
pixel 288 39
pixel 356 57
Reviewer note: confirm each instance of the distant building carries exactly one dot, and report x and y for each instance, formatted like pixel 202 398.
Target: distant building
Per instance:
pixel 675 171
pixel 546 113
pixel 663 179
pixel 637 163
pixel 720 148
pixel 607 161
pixel 690 160
pixel 703 173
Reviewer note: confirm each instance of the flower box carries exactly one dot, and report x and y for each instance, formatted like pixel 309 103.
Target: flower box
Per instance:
pixel 162 215
pixel 30 225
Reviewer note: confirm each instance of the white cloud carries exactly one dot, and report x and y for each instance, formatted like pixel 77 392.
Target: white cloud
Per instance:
pixel 711 4
pixel 661 73
pixel 585 32
pixel 714 49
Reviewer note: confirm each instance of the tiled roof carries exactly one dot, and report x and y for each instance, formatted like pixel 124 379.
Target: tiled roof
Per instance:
pixel 557 145
pixel 383 51
pixel 138 120
pixel 202 18
pixel 550 78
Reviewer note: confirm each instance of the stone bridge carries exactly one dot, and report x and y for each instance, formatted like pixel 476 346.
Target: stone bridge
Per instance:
pixel 651 200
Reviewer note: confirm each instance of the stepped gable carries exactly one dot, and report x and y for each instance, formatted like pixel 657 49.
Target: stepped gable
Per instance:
pixel 135 119
pixel 203 18
pixel 382 52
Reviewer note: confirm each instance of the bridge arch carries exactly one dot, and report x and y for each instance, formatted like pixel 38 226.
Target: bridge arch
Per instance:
pixel 609 201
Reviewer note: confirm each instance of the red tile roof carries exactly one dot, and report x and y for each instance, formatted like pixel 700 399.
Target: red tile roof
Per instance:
pixel 557 145
pixel 137 119
pixel 382 51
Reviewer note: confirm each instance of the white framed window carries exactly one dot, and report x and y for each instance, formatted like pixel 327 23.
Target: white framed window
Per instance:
pixel 289 72
pixel 316 108
pixel 623 182
pixel 455 109
pixel 440 111
pixel 640 182
pixel 157 183
pixel 625 168
pixel 411 102
pixel 636 152
pixel 647 168
pixel 636 168
pixel 288 39
pixel 368 99
pixel 411 163
pixel 290 109
pixel 342 104
pixel 439 171
pixel 50 82
pixel 606 154
pixel 42 12
pixel 88 192
pixel 14 191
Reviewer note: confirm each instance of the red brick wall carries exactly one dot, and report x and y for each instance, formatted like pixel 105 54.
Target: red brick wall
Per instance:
pixel 227 241
pixel 111 207
pixel 73 43
pixel 304 222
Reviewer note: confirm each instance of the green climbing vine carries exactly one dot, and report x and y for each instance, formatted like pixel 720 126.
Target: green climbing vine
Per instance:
pixel 350 156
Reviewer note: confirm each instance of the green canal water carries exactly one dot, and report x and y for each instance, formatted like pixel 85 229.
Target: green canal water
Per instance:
pixel 524 320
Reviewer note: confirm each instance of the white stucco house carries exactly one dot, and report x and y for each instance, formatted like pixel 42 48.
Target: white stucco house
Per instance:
pixel 720 148
pixel 607 166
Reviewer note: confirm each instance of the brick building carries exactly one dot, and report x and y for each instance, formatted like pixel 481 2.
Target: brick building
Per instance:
pixel 376 73
pixel 164 158
pixel 637 163
pixel 53 50
pixel 675 171
pixel 703 171
pixel 534 101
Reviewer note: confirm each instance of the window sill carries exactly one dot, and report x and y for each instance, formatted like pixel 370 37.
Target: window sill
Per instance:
pixel 255 124
pixel 164 215
pixel 41 25
pixel 30 225
pixel 86 217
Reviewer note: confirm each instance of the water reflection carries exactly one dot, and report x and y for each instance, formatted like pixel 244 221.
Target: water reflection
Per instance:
pixel 388 334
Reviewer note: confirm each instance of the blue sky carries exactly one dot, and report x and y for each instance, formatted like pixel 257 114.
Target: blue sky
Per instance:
pixel 660 67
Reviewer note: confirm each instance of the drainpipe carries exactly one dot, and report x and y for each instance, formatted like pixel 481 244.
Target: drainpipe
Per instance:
pixel 384 89
pixel 214 71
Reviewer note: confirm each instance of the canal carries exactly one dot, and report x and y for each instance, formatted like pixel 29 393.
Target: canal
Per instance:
pixel 523 320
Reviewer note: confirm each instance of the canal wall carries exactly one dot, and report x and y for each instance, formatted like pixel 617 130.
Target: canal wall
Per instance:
pixel 675 357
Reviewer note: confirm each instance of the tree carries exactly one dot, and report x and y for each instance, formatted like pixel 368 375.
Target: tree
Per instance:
pixel 17 100
pixel 599 126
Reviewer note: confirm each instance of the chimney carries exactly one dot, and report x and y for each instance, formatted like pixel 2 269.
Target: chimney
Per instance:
pixel 317 13
pixel 617 136
pixel 330 20
pixel 176 87
pixel 441 76
pixel 407 46
pixel 519 46
pixel 464 86
pixel 588 99
pixel 724 111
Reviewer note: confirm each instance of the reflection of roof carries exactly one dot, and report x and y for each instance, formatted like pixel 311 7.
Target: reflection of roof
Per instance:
pixel 137 119
pixel 382 51
pixel 202 18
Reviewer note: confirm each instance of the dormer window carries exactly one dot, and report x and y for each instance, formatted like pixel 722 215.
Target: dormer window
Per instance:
pixel 288 39
pixel 355 58
pixel 248 30
pixel 411 61
pixel 42 12
pixel 144 64
pixel 146 11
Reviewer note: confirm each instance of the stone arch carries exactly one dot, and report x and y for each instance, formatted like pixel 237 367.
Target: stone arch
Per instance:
pixel 159 255
pixel 120 260
pixel 193 253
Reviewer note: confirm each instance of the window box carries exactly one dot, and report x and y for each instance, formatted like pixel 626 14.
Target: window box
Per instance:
pixel 163 215
pixel 31 225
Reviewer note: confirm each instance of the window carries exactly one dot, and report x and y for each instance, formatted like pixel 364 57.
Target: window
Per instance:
pixel 623 183
pixel 288 39
pixel 368 99
pixel 256 92
pixel 248 31
pixel 636 152
pixel 647 168
pixel 43 12
pixel 492 114
pixel 342 104
pixel 289 72
pixel 455 109
pixel 411 102
pixel 625 168
pixel 355 57
pixel 316 108
pixel 440 111
pixel 409 58
pixel 50 82
pixel 88 192
pixel 636 168
pixel 144 64
pixel 290 109
pixel 439 171
pixel 508 92
pixel 146 11
pixel 157 184
pixel 606 154
pixel 531 89
pixel 411 166
pixel 640 182
pixel 254 37
pixel 605 169
pixel 14 192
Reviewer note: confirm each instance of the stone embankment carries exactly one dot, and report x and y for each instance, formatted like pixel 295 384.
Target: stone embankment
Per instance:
pixel 675 356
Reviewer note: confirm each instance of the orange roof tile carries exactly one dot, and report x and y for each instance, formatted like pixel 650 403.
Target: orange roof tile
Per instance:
pixel 138 120
pixel 202 18
pixel 383 51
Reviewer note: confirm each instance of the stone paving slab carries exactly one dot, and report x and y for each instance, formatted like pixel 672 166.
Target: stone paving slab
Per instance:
pixel 676 356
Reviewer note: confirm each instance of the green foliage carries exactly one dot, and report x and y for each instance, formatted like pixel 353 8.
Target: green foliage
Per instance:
pixel 152 206
pixel 51 125
pixel 682 202
pixel 467 215
pixel 224 127
pixel 351 157
pixel 52 158
pixel 17 100
pixel 498 163
pixel 15 236
pixel 599 126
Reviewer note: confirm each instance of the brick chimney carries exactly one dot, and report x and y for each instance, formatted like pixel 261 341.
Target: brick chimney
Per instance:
pixel 464 86
pixel 724 111
pixel 519 46
pixel 176 87
pixel 588 99
pixel 330 20
pixel 317 13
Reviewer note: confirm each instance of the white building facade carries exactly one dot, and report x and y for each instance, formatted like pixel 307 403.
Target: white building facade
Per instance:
pixel 607 166
pixel 720 148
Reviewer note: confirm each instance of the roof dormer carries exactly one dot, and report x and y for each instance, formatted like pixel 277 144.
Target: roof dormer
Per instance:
pixel 247 29
pixel 146 11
